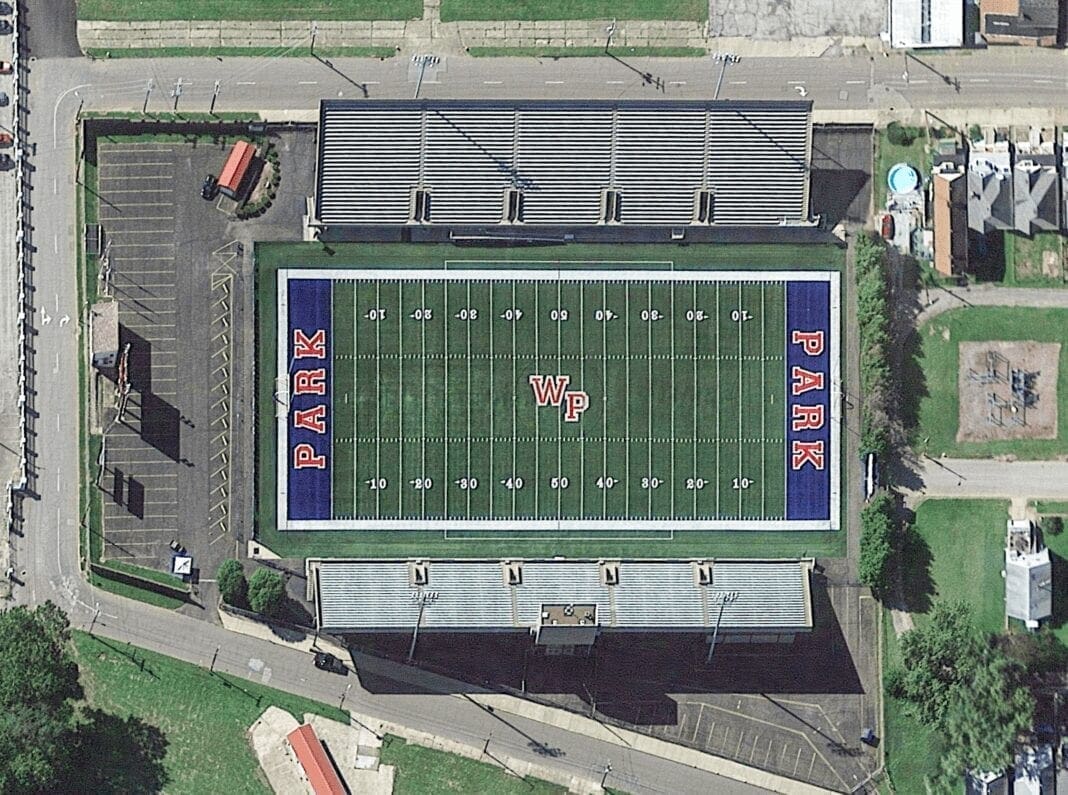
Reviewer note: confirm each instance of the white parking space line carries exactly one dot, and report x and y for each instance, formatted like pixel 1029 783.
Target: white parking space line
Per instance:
pixel 918 82
pixel 138 164
pixel 169 271
pixel 139 176
pixel 135 245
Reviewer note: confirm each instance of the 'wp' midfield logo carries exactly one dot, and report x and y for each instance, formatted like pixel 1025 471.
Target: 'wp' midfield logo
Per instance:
pixel 551 390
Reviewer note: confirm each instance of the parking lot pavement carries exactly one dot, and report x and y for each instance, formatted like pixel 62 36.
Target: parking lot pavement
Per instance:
pixel 180 269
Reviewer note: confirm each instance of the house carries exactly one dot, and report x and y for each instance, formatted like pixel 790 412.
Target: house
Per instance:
pixel 949 188
pixel 1031 23
pixel 1035 183
pixel 988 783
pixel 925 23
pixel 1028 574
pixel 1033 772
pixel 990 184
pixel 104 334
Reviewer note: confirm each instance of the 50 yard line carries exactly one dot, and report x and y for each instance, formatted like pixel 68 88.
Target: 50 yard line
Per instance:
pixel 378 403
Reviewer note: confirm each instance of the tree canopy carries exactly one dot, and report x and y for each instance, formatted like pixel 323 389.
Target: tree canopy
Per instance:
pixel 266 592
pixel 877 543
pixel 232 584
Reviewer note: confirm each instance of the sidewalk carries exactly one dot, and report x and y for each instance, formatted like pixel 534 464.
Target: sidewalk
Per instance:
pixel 430 34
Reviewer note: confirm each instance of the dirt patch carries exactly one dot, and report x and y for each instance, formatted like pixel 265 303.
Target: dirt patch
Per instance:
pixel 1051 265
pixel 989 408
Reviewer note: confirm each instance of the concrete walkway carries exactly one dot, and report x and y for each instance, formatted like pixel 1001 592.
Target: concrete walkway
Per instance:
pixel 944 299
pixel 430 34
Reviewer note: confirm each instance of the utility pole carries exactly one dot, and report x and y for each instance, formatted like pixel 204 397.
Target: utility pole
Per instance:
pixel 607 770
pixel 148 93
pixel 610 29
pixel 177 92
pixel 214 97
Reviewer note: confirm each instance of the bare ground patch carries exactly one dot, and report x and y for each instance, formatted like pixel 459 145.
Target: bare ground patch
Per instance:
pixel 976 386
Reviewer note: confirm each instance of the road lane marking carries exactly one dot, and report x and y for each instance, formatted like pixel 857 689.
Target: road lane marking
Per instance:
pixel 737 82
pixel 492 82
pixel 554 82
pixel 245 83
pixel 855 82
pixel 918 82
pixel 676 82
pixel 795 82
pixel 978 80
pixel 307 82
pixel 614 82
pixel 1043 81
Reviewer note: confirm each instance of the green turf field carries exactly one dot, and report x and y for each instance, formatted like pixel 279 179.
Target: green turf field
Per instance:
pixel 435 418
pixel 383 541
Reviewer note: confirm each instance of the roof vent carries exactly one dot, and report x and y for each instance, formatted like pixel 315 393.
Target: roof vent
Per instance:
pixel 609 572
pixel 418 573
pixel 702 572
pixel 513 572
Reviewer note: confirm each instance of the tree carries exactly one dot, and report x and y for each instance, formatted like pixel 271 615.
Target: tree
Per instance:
pixel 266 592
pixel 935 658
pixel 985 717
pixel 38 682
pixel 1054 525
pixel 901 136
pixel 232 583
pixel 877 543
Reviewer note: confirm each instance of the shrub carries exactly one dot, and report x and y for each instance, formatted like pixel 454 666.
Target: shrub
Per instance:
pixel 1054 525
pixel 266 592
pixel 232 584
pixel 901 136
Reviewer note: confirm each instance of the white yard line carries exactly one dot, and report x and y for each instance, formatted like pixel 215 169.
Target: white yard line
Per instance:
pixel 649 388
pixel 537 414
pixel 717 402
pixel 400 401
pixel 671 328
pixel 492 409
pixel 378 404
pixel 626 363
pixel 559 416
pixel 763 408
pixel 490 479
pixel 696 398
pixel 741 364
pixel 355 404
pixel 514 374
pixel 582 370
pixel 422 401
pixel 604 395
pixel 445 484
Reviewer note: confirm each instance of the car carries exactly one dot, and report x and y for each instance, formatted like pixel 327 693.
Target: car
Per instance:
pixel 325 661
pixel 5 100
pixel 210 187
pixel 6 162
pixel 6 68
pixel 6 138
pixel 888 227
pixel 5 26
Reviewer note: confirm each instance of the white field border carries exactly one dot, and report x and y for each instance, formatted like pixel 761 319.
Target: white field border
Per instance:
pixel 555 274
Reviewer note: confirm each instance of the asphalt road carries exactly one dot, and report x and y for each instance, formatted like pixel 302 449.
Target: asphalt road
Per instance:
pixel 48 554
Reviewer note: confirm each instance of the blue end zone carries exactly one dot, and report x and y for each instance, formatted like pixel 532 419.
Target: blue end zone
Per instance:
pixel 309 485
pixel 808 399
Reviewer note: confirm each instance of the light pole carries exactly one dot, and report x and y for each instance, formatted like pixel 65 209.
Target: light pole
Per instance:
pixel 148 93
pixel 905 74
pixel 726 58
pixel 609 29
pixel 214 97
pixel 314 33
pixel 607 770
pixel 177 92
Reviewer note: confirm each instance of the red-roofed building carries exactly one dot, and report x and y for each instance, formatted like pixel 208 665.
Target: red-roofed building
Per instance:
pixel 236 168
pixel 313 760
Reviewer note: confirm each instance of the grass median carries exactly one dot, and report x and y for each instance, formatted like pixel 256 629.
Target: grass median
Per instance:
pixel 120 10
pixel 586 52
pixel 299 50
pixel 692 10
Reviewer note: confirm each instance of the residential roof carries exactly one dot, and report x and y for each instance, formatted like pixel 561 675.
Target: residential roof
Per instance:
pixel 1034 773
pixel 1030 19
pixel 236 166
pixel 317 766
pixel 990 186
pixel 475 595
pixel 950 220
pixel 562 157
pixel 1037 205
pixel 926 23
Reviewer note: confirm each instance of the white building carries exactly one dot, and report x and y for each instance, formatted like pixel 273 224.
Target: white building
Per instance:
pixel 1028 575
pixel 925 23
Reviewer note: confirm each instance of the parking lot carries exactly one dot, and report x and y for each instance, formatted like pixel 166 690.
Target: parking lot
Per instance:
pixel 180 269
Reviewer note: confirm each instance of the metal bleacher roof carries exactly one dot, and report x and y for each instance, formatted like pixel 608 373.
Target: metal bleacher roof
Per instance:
pixel 474 595
pixel 562 156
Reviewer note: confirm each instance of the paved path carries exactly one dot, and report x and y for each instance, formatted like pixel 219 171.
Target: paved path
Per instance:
pixel 947 298
pixel 970 478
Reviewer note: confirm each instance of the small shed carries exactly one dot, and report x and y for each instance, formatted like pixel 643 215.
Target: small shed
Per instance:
pixel 104 334
pixel 1028 575
pixel 313 760
pixel 236 169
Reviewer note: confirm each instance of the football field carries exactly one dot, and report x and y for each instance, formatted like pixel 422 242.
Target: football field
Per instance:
pixel 537 398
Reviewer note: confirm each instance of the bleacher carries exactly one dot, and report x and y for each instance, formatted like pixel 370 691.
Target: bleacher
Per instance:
pixel 566 163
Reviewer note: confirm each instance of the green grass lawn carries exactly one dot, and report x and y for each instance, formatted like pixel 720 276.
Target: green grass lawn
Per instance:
pixel 887 154
pixel 939 403
pixel 425 771
pixel 249 9
pixel 300 51
pixel 392 544
pixel 912 749
pixel 960 558
pixel 963 559
pixel 202 716
pixel 452 10
pixel 1027 260
pixel 1051 507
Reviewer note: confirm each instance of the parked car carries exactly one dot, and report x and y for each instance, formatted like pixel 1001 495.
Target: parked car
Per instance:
pixel 6 162
pixel 6 68
pixel 5 8
pixel 5 100
pixel 210 187
pixel 888 227
pixel 325 661
pixel 5 26
pixel 6 138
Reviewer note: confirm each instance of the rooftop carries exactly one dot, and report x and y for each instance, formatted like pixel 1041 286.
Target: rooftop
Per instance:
pixel 488 595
